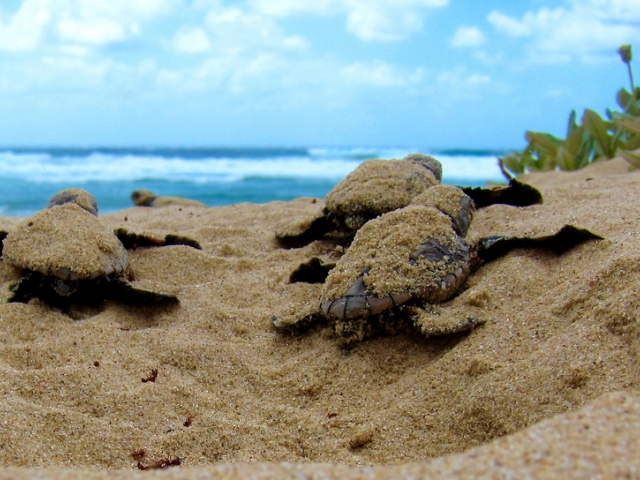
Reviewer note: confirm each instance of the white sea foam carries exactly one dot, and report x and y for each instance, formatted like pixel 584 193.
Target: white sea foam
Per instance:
pixel 467 168
pixel 329 164
pixel 105 168
pixel 215 176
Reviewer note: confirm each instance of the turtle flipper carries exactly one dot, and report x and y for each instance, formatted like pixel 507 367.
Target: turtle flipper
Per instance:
pixel 3 235
pixel 517 194
pixel 569 236
pixel 52 290
pixel 431 322
pixel 303 233
pixel 132 240
pixel 173 239
pixel 314 270
pixel 122 291
pixel 24 289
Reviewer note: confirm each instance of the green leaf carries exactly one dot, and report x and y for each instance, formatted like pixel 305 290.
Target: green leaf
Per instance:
pixel 630 123
pixel 631 157
pixel 572 123
pixel 615 114
pixel 620 136
pixel 565 160
pixel 623 98
pixel 633 108
pixel 583 158
pixel 632 143
pixel 514 162
pixel 544 143
pixel 599 130
pixel 574 140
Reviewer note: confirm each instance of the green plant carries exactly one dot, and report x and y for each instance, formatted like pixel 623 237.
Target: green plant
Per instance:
pixel 593 139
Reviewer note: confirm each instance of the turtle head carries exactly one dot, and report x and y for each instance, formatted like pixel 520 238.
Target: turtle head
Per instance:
pixel 430 163
pixel 80 197
pixel 451 201
pixel 143 198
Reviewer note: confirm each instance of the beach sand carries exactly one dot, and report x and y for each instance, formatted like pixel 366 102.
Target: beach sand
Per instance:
pixel 547 387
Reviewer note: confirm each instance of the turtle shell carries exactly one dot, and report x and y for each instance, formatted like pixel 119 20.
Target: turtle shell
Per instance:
pixel 409 253
pixel 78 196
pixel 451 201
pixel 378 186
pixel 65 241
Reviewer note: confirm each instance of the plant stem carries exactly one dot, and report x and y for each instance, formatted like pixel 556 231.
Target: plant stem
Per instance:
pixel 504 171
pixel 633 88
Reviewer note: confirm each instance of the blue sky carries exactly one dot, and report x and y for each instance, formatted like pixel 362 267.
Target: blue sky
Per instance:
pixel 413 73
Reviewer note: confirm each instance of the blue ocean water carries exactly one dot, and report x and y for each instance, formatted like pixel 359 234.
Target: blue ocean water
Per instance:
pixel 215 176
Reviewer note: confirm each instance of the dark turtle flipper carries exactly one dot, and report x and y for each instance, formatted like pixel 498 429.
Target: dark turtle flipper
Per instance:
pixel 313 270
pixel 569 236
pixel 316 230
pixel 59 293
pixel 134 240
pixel 122 291
pixel 24 289
pixel 52 290
pixel 173 239
pixel 3 235
pixel 517 194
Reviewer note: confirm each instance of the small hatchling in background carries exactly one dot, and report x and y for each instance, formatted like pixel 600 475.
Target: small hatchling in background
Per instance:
pixel 379 186
pixel 373 188
pixel 146 198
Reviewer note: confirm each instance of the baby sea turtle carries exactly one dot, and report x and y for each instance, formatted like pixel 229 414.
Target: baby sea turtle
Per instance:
pixel 373 188
pixel 406 261
pixel 146 198
pixel 80 197
pixel 66 255
pixel 380 186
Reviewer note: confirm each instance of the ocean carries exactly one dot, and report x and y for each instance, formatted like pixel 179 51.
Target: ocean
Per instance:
pixel 215 176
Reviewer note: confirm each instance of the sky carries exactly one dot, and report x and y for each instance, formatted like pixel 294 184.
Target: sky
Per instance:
pixel 410 73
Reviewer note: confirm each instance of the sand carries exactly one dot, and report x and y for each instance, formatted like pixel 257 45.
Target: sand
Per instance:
pixel 547 387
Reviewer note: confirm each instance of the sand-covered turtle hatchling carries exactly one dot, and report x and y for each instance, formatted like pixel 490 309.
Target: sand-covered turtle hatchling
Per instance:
pixel 405 262
pixel 373 188
pixel 80 197
pixel 65 254
pixel 146 198
pixel 380 186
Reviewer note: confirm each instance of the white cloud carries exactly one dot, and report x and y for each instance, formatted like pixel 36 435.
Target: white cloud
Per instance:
pixel 77 22
pixel 236 53
pixel 368 20
pixel 467 37
pixel 587 29
pixel 379 74
pixel 25 28
pixel 233 30
pixel 191 40
pixel 319 81
pixel 511 26
pixel 284 8
pixel 477 79
pixel 382 24
pixel 93 32
pixel 461 84
pixel 460 78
